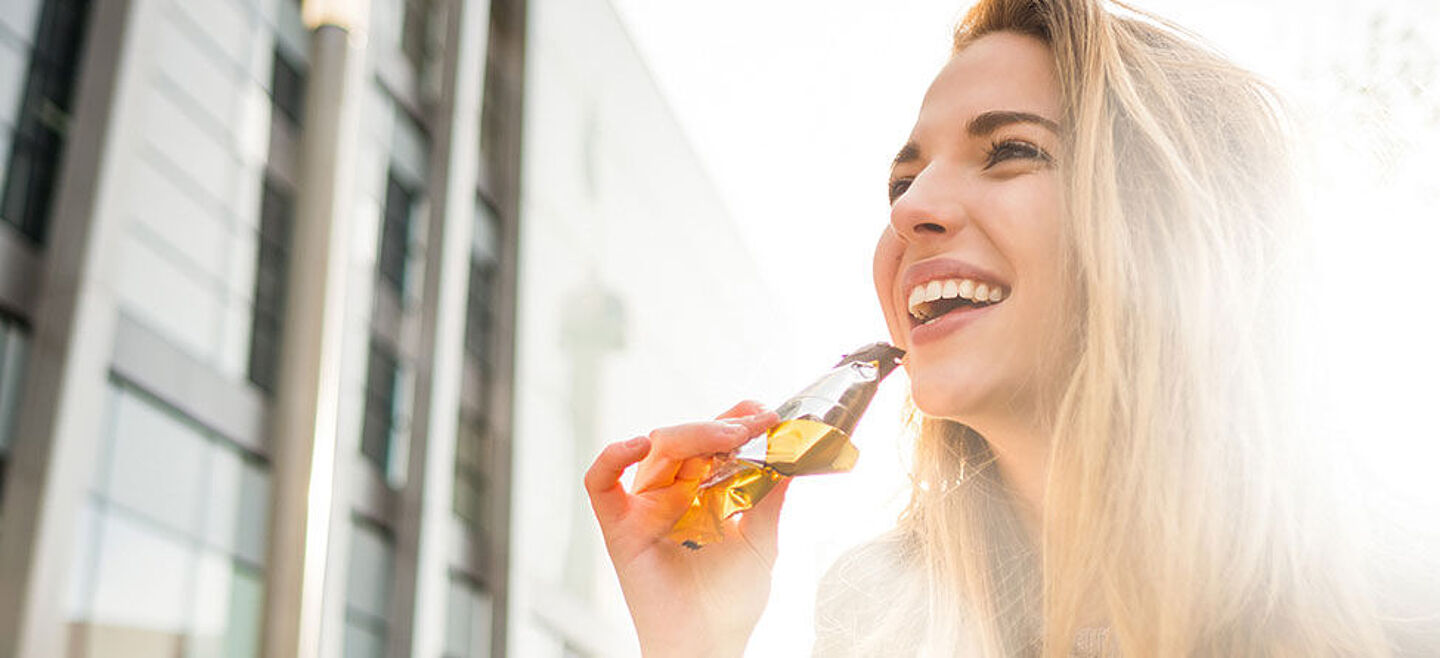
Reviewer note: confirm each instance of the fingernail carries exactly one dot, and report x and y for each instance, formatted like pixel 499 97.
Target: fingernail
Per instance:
pixel 637 442
pixel 735 426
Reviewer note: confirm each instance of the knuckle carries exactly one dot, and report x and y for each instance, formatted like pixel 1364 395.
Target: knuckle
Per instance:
pixel 591 480
pixel 600 466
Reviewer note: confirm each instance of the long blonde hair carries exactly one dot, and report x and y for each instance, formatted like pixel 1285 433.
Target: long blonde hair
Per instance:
pixel 1188 510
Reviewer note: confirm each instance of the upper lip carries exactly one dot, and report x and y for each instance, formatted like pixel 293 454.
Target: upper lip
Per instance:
pixel 946 268
pixel 937 269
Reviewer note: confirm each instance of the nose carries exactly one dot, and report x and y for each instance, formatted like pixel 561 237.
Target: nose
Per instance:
pixel 928 209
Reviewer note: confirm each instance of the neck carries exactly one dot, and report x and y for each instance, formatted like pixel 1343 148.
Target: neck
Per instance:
pixel 1021 453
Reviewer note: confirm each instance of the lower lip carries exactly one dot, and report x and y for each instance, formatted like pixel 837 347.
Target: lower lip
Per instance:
pixel 946 324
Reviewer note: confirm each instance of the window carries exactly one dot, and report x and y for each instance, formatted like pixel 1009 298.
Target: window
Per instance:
pixel 287 89
pixel 172 543
pixel 13 348
pixel 478 311
pixel 472 448
pixel 472 459
pixel 277 211
pixel 277 215
pixel 381 381
pixel 501 102
pixel 480 293
pixel 468 618
pixel 395 235
pixel 367 591
pixel 493 123
pixel 39 130
pixel 414 34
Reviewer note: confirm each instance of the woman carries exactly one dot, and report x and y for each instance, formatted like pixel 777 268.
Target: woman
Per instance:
pixel 1110 457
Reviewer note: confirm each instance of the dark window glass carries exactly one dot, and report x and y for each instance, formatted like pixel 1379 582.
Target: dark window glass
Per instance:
pixel 492 124
pixel 413 32
pixel 478 312
pixel 502 14
pixel 471 460
pixel 287 88
pixel 480 294
pixel 501 102
pixel 395 235
pixel 472 456
pixel 43 122
pixel 379 423
pixel 13 348
pixel 277 212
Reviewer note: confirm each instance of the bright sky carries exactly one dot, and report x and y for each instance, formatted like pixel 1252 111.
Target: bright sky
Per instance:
pixel 797 107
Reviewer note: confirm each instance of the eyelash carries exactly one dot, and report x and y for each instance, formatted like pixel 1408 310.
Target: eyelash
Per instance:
pixel 898 187
pixel 1004 150
pixel 997 153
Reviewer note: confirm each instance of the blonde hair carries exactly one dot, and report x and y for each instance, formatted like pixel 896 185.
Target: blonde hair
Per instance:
pixel 1188 510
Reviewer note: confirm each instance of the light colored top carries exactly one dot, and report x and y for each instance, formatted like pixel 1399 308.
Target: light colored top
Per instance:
pixel 873 602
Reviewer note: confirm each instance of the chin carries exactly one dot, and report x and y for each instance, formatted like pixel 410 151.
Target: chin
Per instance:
pixel 943 395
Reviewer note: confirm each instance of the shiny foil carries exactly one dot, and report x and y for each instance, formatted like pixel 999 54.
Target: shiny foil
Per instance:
pixel 812 437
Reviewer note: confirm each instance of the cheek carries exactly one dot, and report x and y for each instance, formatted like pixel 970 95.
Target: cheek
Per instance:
pixel 1031 234
pixel 1050 293
pixel 885 268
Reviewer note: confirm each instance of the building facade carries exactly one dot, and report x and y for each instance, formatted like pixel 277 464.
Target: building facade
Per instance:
pixel 312 314
pixel 257 274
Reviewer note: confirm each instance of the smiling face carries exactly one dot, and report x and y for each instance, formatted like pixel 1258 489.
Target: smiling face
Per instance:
pixel 969 271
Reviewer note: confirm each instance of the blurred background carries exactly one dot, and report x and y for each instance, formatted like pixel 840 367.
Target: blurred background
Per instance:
pixel 313 313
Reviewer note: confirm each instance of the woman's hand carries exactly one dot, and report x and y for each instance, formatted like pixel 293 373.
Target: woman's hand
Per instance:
pixel 686 602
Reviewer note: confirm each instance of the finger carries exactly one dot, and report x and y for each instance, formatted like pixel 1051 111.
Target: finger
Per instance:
pixel 760 524
pixel 743 408
pixel 706 437
pixel 675 444
pixel 694 468
pixel 757 422
pixel 602 481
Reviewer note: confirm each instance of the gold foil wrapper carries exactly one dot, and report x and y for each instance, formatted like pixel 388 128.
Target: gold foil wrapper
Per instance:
pixel 812 437
pixel 809 447
pixel 744 484
pixel 792 447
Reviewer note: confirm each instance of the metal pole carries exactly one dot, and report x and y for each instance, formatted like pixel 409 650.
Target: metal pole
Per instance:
pixel 306 411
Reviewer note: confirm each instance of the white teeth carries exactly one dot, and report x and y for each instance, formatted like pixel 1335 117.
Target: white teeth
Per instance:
pixel 967 288
pixel 952 289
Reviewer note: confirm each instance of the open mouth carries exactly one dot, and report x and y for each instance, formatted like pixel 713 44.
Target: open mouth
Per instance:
pixel 933 299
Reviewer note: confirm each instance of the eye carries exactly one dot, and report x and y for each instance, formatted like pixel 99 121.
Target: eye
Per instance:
pixel 1012 149
pixel 898 187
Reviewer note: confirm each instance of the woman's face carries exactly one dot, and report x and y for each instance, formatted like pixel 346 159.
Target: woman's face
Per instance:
pixel 975 220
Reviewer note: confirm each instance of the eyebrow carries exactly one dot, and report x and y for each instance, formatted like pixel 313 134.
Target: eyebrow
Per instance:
pixel 910 152
pixel 987 122
pixel 983 124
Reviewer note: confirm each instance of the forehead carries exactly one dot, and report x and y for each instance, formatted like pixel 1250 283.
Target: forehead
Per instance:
pixel 999 71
